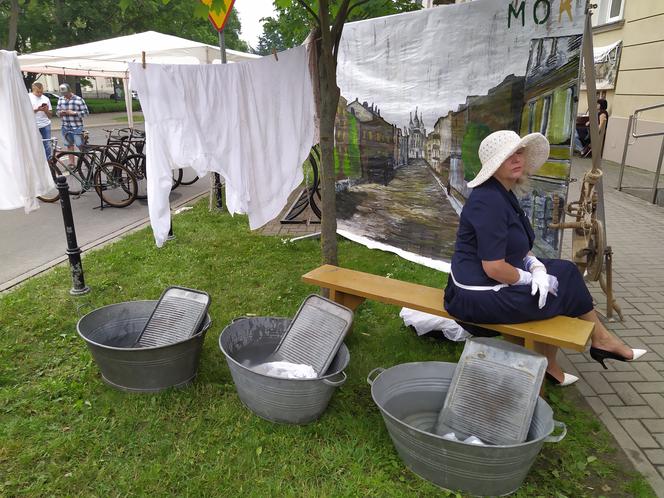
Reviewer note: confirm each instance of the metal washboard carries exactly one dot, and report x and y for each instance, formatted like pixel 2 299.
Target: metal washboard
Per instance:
pixel 493 392
pixel 178 315
pixel 315 334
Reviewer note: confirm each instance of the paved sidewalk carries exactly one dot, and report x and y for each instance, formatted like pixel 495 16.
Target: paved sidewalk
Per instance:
pixel 629 397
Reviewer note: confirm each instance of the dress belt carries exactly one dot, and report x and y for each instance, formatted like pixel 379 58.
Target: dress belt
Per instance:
pixel 494 288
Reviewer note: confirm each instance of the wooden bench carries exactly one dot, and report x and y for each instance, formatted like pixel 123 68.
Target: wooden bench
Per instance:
pixel 351 288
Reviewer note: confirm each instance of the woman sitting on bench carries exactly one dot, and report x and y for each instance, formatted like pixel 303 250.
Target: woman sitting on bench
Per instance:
pixel 495 278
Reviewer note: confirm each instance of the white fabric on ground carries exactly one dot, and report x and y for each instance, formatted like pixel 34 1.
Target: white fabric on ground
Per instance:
pixel 23 167
pixel 285 370
pixel 426 322
pixel 251 122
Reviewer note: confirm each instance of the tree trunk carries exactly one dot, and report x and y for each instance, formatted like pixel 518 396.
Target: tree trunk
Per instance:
pixel 329 98
pixel 13 25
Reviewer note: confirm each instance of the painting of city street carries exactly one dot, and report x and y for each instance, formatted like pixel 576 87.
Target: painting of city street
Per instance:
pixel 432 85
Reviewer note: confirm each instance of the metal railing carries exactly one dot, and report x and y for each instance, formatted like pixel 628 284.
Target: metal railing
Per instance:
pixel 631 130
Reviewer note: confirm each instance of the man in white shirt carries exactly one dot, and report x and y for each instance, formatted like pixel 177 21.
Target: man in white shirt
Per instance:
pixel 41 106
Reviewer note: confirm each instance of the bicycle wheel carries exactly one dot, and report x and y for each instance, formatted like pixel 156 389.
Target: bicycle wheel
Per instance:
pixel 177 178
pixel 115 184
pixel 136 164
pixel 77 174
pixel 189 177
pixel 53 194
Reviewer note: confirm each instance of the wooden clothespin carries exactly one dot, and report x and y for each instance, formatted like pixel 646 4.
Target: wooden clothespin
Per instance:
pixel 143 59
pixel 274 52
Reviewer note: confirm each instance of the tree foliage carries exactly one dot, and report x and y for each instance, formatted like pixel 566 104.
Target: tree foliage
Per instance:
pixel 48 24
pixel 292 23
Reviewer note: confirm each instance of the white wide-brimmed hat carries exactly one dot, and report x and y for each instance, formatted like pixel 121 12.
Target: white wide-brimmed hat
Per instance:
pixel 500 145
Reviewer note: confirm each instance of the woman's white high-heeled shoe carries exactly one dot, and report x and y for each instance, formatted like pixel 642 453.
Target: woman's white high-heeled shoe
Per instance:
pixel 568 379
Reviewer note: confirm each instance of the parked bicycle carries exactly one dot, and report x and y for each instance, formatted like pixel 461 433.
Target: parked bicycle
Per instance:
pixel 125 146
pixel 89 168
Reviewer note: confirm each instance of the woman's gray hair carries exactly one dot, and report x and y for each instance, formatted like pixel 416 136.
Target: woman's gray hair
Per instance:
pixel 522 186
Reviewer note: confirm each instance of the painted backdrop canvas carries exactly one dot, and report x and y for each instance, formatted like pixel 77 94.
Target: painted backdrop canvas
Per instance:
pixel 419 93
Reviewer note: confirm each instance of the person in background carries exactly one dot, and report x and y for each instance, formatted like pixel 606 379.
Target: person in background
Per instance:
pixel 41 107
pixel 71 109
pixel 582 132
pixel 602 115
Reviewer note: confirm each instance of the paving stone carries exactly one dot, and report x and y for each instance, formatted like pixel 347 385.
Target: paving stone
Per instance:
pixel 637 332
pixel 599 407
pixel 623 376
pixel 611 400
pixel 599 383
pixel 654 425
pixel 656 402
pixel 637 300
pixel 589 367
pixel 584 388
pixel 635 342
pixel 657 365
pixel 645 309
pixel 655 456
pixel 639 434
pixel 647 371
pixel 627 393
pixel 648 387
pixel 648 318
pixel 628 412
pixel 654 328
pixel 577 358
pixel 620 366
pixel 660 439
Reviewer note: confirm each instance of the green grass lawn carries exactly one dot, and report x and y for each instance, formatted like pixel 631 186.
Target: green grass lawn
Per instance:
pixel 63 432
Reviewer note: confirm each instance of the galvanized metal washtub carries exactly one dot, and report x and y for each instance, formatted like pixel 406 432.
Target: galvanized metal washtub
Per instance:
pixel 249 341
pixel 110 333
pixel 410 397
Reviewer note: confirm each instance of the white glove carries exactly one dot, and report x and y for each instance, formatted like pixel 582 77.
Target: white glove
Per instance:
pixel 544 284
pixel 525 277
pixel 540 280
pixel 531 262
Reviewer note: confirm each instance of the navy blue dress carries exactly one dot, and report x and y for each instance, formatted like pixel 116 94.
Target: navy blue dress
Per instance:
pixel 493 226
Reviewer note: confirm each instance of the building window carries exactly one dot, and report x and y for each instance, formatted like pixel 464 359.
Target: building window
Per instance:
pixel 531 116
pixel 544 124
pixel 615 11
pixel 540 53
pixel 608 11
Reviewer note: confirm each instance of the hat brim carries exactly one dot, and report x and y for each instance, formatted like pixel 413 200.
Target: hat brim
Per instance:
pixel 536 152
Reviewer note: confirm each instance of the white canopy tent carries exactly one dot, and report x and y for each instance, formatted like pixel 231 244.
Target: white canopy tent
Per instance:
pixel 109 58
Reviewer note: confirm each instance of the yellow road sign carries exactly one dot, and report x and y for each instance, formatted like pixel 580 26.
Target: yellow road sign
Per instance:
pixel 219 15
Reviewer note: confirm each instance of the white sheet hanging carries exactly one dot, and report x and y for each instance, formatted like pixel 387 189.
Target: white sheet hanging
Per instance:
pixel 23 167
pixel 252 122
